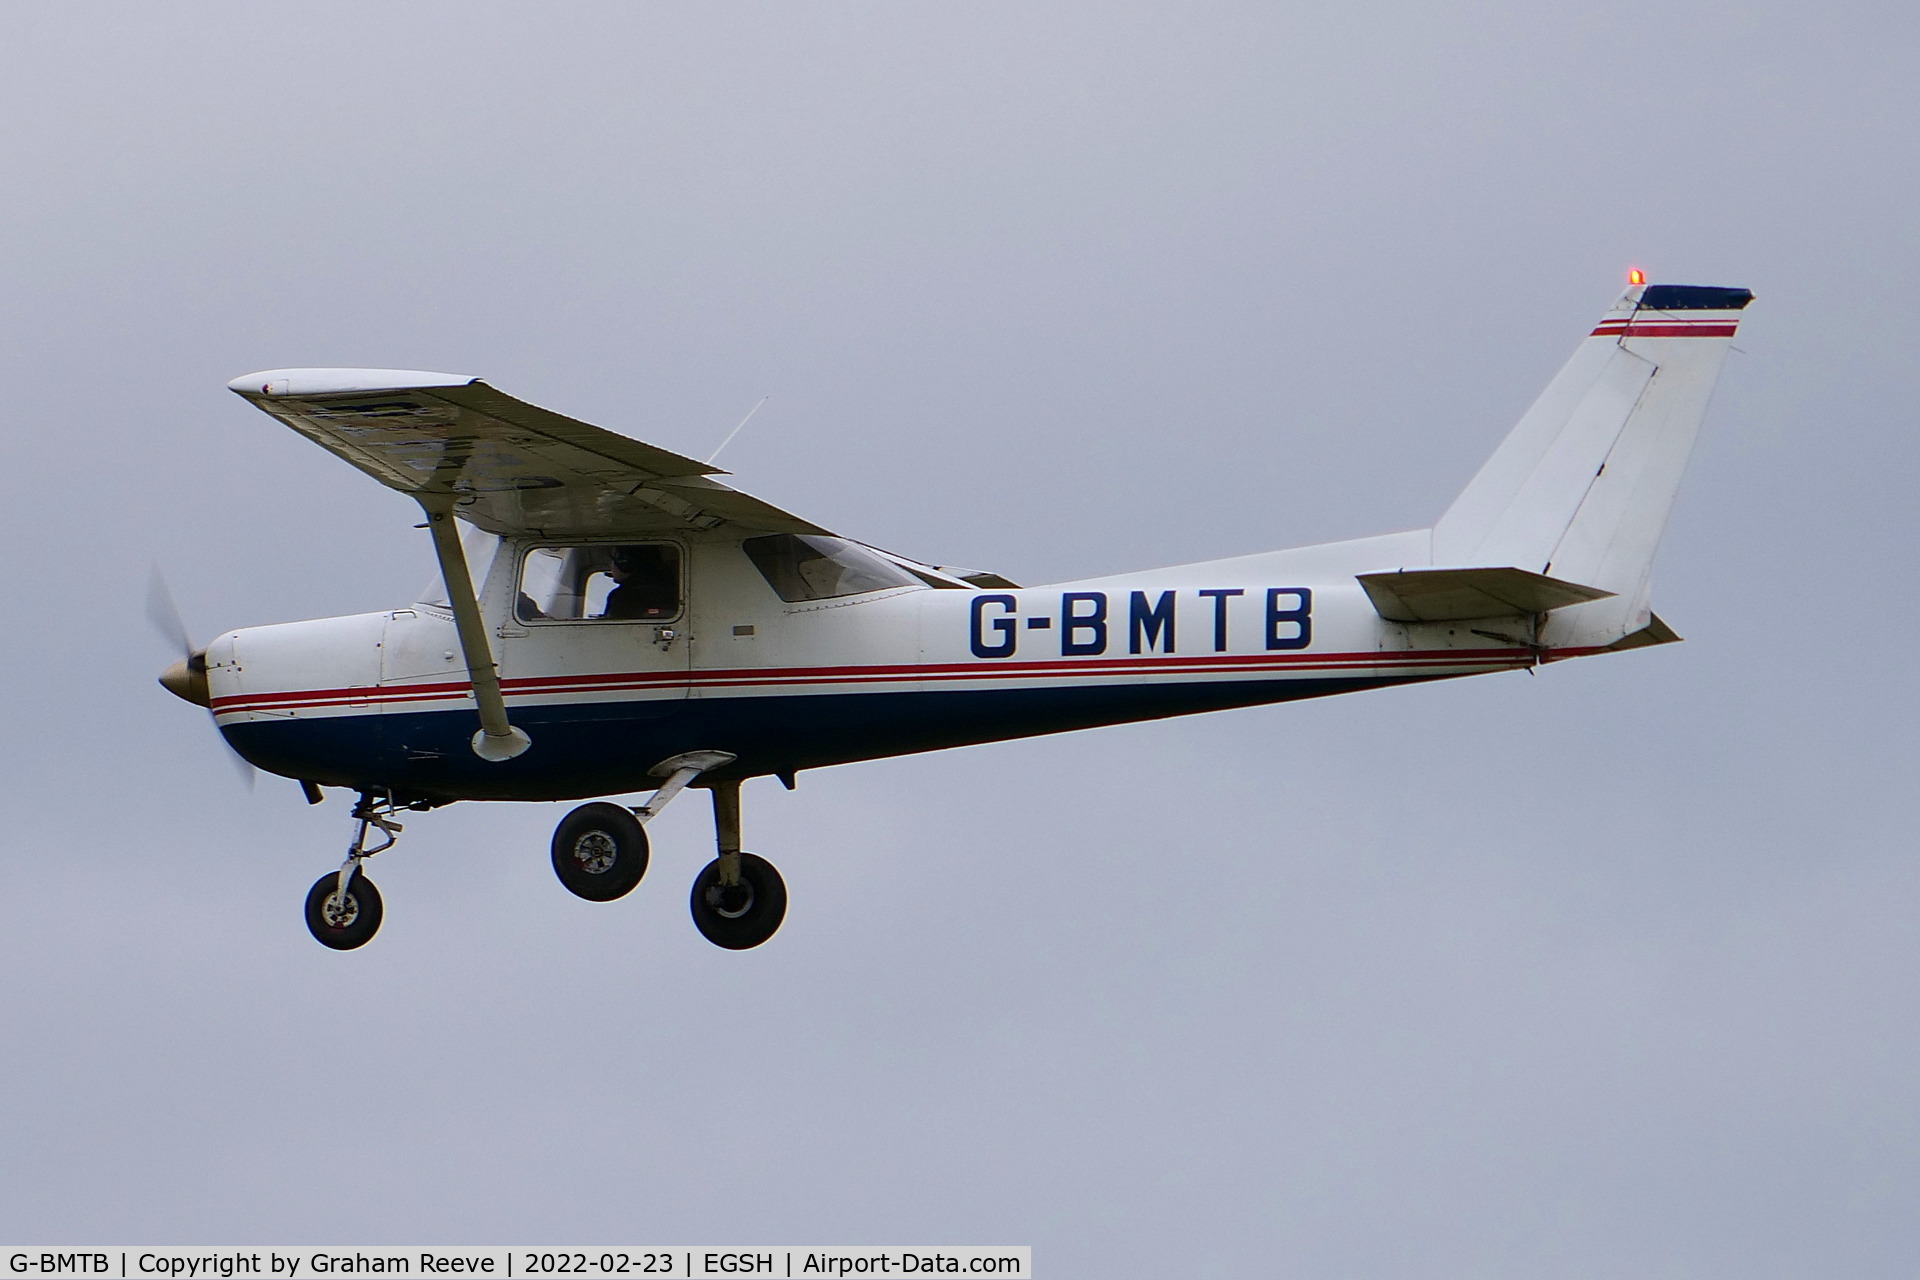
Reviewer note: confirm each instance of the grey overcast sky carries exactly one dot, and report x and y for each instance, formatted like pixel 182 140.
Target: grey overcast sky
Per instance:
pixel 1607 971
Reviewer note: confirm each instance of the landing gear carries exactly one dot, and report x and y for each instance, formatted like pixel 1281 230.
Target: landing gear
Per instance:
pixel 347 920
pixel 744 913
pixel 343 907
pixel 738 899
pixel 600 852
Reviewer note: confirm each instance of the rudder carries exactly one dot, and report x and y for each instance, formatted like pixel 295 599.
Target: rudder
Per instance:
pixel 1581 488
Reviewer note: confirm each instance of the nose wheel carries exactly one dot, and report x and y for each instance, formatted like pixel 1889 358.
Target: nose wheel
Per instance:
pixel 343 920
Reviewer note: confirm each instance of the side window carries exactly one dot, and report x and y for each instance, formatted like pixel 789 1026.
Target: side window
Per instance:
pixel 816 567
pixel 633 582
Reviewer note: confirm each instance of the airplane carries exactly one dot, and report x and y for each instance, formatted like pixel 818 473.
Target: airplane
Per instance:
pixel 617 620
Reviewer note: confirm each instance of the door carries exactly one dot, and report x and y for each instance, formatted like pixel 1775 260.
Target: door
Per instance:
pixel 597 631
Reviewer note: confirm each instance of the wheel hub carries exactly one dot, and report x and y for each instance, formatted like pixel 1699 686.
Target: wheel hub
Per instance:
pixel 340 911
pixel 730 900
pixel 596 852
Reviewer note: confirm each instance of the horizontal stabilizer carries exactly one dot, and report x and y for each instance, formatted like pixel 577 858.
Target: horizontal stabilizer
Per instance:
pixel 1655 632
pixel 1449 595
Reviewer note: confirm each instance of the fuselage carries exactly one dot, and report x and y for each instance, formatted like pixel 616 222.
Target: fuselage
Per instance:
pixel 381 701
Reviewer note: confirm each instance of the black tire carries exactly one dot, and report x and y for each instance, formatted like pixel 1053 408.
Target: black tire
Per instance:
pixel 353 926
pixel 600 852
pixel 746 917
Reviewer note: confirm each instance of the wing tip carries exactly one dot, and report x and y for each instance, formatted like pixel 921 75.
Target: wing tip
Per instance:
pixel 271 383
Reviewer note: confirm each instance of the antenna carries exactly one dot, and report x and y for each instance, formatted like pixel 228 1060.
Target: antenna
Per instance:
pixel 736 431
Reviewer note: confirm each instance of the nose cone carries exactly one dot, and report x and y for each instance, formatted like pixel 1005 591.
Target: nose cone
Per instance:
pixel 187 679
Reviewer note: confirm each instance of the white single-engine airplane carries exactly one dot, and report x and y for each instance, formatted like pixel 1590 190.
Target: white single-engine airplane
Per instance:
pixel 636 625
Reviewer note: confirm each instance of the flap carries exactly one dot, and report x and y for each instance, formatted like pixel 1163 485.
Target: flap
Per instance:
pixel 519 469
pixel 1449 595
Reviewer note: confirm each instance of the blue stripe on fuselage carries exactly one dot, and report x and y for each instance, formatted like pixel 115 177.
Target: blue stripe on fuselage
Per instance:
pixel 598 749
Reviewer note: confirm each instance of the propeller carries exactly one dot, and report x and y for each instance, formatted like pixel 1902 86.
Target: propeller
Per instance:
pixel 164 614
pixel 187 677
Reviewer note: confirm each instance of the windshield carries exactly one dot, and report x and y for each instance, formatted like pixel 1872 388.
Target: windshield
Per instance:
pixel 815 567
pixel 479 547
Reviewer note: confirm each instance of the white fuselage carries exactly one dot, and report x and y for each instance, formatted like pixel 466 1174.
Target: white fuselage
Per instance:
pixel 383 699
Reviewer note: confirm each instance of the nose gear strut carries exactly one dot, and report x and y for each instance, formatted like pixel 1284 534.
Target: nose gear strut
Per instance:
pixel 343 907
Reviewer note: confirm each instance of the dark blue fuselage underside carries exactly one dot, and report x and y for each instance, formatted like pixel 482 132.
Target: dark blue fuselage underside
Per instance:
pixel 598 749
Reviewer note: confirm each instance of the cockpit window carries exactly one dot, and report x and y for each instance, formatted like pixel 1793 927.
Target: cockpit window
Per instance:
pixel 636 582
pixel 815 567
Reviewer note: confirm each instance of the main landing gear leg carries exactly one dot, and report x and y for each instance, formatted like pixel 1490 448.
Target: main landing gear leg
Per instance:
pixel 739 899
pixel 343 907
pixel 600 850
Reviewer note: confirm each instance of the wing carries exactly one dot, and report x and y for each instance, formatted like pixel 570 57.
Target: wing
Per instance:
pixel 520 469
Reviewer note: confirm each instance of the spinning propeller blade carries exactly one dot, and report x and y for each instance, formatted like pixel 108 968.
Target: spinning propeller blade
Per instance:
pixel 248 774
pixel 187 677
pixel 164 614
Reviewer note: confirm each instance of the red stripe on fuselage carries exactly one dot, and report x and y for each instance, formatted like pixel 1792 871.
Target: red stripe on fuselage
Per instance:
pixel 617 682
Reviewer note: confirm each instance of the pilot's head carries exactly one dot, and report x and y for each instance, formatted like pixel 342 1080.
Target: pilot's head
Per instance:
pixel 626 562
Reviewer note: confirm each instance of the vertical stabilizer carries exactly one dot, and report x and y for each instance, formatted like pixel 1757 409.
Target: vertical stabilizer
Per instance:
pixel 1581 488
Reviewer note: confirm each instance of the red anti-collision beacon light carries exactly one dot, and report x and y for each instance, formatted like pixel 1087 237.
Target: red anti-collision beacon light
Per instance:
pixel 1636 276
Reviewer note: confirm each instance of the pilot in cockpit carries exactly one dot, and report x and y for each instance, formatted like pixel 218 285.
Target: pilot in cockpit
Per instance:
pixel 646 583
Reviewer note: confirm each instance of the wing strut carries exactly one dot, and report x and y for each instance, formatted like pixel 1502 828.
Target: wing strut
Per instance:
pixel 497 740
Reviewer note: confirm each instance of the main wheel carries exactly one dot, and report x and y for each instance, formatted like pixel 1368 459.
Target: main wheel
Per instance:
pixel 743 915
pixel 600 852
pixel 343 923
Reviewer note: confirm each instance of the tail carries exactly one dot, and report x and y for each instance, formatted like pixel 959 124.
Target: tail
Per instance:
pixel 1580 490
